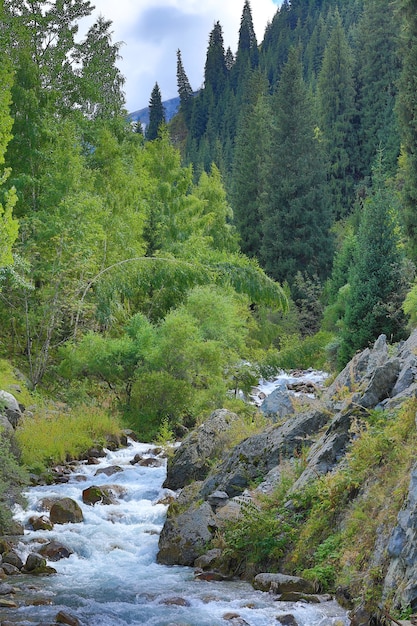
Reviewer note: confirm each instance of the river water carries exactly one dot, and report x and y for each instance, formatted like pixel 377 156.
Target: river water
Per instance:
pixel 112 579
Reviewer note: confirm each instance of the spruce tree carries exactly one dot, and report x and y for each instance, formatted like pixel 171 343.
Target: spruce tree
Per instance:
pixel 378 73
pixel 336 95
pixel 251 146
pixel 295 209
pixel 247 55
pixel 215 68
pixel 376 289
pixel 407 110
pixel 156 114
pixel 185 91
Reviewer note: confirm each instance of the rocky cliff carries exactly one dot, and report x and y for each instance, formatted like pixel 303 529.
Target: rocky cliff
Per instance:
pixel 218 485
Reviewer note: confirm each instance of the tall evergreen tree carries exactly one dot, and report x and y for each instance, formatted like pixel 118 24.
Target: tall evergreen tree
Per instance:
pixel 407 110
pixel 296 217
pixel 378 70
pixel 376 288
pixel 336 93
pixel 156 113
pixel 251 146
pixel 215 68
pixel 247 55
pixel 185 91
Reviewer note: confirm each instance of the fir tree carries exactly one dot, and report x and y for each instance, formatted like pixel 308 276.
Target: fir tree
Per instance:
pixel 296 217
pixel 376 288
pixel 185 91
pixel 378 74
pixel 336 93
pixel 407 110
pixel 156 114
pixel 215 68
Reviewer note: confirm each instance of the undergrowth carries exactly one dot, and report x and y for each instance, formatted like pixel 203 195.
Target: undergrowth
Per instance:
pixel 53 437
pixel 327 532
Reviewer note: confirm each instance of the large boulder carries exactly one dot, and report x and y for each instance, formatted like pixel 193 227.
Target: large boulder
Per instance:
pixel 193 459
pixel 55 551
pixel 64 511
pixel 281 583
pixel 184 536
pixel 257 455
pixel 9 408
pixel 278 404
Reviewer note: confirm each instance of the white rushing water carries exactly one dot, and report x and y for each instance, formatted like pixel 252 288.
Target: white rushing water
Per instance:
pixel 112 579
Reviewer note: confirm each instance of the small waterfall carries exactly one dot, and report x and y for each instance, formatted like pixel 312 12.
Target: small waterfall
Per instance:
pixel 112 578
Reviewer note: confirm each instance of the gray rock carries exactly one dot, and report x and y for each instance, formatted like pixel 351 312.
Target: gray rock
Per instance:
pixel 192 460
pixel 217 499
pixel 184 536
pixel 64 511
pixel 401 578
pixel 256 456
pixel 281 583
pixel 9 407
pixel 407 375
pixel 381 383
pixel 55 551
pixel 278 404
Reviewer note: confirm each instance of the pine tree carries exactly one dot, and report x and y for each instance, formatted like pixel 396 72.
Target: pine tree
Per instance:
pixel 185 91
pixel 247 56
pixel 376 288
pixel 295 209
pixel 336 93
pixel 156 114
pixel 407 110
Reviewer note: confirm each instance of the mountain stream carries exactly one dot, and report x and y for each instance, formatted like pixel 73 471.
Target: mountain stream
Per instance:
pixel 112 578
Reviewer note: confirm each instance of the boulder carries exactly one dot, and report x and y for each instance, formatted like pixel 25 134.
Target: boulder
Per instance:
pixel 64 511
pixel 278 404
pixel 12 558
pixel 184 536
pixel 36 564
pixel 54 551
pixel 257 455
pixel 9 407
pixel 66 618
pixel 95 494
pixel 281 583
pixel 41 522
pixel 193 459
pixel 109 471
pixel 381 383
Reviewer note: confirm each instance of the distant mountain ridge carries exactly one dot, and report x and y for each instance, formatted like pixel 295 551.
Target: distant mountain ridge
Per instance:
pixel 142 115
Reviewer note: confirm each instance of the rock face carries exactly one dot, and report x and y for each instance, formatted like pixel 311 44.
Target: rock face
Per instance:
pixel 192 459
pixel 373 378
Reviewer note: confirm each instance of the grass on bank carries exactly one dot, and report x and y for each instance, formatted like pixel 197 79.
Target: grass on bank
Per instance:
pixel 50 437
pixel 330 530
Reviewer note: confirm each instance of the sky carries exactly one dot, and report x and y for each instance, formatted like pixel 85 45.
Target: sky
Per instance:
pixel 153 30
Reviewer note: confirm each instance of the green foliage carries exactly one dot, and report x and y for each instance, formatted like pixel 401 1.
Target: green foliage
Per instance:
pixel 156 114
pixel 12 480
pixel 259 537
pixel 296 352
pixel 326 558
pixel 53 436
pixel 376 289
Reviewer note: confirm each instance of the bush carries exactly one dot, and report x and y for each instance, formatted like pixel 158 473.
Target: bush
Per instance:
pixel 12 479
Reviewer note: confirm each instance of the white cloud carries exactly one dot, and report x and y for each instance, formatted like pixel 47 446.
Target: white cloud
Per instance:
pixel 153 31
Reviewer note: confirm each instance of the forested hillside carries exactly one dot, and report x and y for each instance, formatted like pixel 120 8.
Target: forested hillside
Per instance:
pixel 314 132
pixel 270 223
pixel 120 268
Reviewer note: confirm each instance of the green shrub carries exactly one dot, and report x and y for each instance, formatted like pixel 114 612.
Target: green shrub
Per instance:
pixel 12 479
